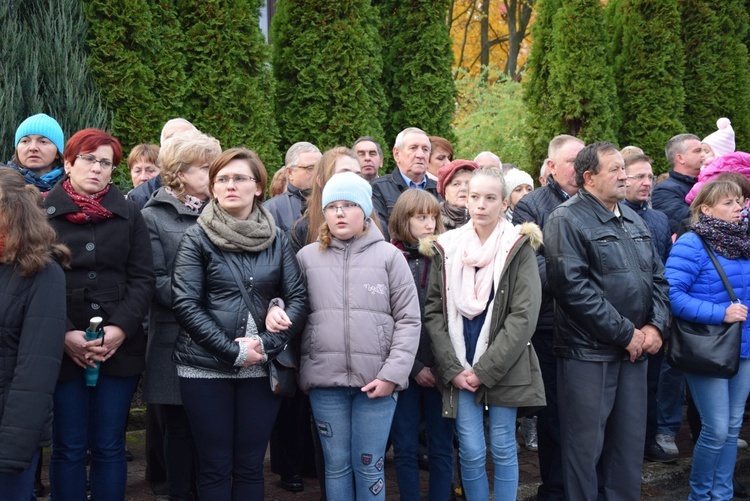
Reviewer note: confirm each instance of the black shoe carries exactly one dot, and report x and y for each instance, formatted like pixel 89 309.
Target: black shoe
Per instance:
pixel 655 453
pixel 739 489
pixel 39 489
pixel 128 456
pixel 292 484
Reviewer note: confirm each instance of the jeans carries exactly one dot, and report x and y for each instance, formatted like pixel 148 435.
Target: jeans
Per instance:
pixel 231 421
pixel 414 403
pixel 472 450
pixel 670 398
pixel 90 418
pixel 19 486
pixel 353 431
pixel 721 403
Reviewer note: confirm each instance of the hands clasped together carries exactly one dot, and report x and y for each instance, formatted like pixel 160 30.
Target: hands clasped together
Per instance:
pixel 88 353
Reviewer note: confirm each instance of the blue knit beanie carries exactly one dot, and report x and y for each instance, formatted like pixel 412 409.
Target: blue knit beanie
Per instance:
pixel 42 125
pixel 350 187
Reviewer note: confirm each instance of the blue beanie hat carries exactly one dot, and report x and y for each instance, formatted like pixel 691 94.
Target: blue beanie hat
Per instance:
pixel 42 125
pixel 350 187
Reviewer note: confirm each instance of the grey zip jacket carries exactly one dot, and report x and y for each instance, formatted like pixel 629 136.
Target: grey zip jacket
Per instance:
pixel 364 321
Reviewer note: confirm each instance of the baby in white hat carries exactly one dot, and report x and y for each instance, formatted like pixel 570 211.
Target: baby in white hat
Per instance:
pixel 719 143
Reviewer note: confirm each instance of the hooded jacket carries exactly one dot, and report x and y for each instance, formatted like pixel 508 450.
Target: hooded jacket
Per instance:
pixel 364 320
pixel 505 362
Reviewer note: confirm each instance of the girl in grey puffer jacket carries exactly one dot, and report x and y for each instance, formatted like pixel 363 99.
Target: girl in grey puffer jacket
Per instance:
pixel 360 339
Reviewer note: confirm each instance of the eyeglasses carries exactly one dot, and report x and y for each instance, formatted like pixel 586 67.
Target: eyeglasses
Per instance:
pixel 238 179
pixel 91 160
pixel 334 209
pixel 308 168
pixel 642 177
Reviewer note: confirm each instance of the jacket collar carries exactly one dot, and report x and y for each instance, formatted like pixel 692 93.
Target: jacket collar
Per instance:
pixel 161 197
pixel 297 193
pixel 643 206
pixel 683 178
pixel 554 186
pixel 58 203
pixel 372 236
pixel 600 211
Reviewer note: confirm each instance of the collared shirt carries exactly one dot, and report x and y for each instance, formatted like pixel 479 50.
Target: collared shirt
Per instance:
pixel 411 184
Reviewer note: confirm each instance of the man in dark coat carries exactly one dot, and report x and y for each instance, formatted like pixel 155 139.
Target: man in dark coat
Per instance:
pixel 412 153
pixel 611 308
pixel 299 163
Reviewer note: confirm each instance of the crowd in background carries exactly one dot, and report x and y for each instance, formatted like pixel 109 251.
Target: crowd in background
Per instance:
pixel 446 302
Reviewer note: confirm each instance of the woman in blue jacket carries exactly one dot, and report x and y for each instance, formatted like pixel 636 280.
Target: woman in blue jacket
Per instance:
pixel 697 294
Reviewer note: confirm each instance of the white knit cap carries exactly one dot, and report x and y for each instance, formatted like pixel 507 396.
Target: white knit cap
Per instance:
pixel 721 141
pixel 515 178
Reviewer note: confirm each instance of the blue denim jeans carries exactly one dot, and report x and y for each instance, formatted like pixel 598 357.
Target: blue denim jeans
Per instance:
pixel 720 403
pixel 90 418
pixel 670 398
pixel 472 450
pixel 353 432
pixel 414 403
pixel 19 486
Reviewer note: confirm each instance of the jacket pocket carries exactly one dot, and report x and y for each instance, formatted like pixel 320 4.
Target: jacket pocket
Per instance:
pixel 520 373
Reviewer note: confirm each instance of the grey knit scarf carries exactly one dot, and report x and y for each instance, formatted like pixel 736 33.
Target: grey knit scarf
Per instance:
pixel 254 234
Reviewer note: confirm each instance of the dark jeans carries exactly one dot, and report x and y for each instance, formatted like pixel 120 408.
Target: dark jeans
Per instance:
pixel 90 418
pixel 602 416
pixel 231 421
pixel 19 486
pixel 548 422
pixel 414 403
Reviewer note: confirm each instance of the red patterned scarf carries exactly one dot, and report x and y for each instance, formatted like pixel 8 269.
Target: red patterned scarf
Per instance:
pixel 91 210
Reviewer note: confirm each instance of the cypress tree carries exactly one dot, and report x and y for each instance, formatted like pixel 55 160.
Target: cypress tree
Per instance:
pixel 542 126
pixel 327 63
pixel 229 87
pixel 649 72
pixel 44 69
pixel 717 70
pixel 581 86
pixel 417 67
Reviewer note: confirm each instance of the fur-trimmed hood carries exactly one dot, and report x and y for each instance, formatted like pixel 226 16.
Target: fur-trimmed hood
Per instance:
pixel 534 233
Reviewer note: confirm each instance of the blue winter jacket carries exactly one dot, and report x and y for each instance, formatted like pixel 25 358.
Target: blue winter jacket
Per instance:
pixel 697 293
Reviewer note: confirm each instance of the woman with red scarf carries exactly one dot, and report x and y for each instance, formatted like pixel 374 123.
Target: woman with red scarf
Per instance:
pixel 112 277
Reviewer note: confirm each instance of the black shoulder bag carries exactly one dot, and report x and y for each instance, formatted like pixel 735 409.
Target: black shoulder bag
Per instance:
pixel 282 368
pixel 707 350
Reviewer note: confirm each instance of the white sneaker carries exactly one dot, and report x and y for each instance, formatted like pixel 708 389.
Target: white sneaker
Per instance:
pixel 741 444
pixel 666 442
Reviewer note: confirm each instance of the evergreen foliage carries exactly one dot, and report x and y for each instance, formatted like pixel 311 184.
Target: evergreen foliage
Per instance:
pixel 581 85
pixel 542 126
pixel 718 69
pixel 649 70
pixel 327 63
pixel 229 87
pixel 44 69
pixel 417 67
pixel 492 117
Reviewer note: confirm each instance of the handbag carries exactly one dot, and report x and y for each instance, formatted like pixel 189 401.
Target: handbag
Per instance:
pixel 707 350
pixel 281 368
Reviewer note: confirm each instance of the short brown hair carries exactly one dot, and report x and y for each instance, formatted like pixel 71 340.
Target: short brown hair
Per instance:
pixel 411 203
pixel 30 241
pixel 710 194
pixel 143 152
pixel 257 168
pixel 442 143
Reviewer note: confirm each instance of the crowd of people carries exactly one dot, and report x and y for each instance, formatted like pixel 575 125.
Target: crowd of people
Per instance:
pixel 445 304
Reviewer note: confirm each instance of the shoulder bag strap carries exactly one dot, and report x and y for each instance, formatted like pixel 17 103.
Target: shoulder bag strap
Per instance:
pixel 241 287
pixel 719 270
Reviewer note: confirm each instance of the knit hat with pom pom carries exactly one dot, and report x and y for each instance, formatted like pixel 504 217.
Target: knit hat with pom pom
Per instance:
pixel 721 141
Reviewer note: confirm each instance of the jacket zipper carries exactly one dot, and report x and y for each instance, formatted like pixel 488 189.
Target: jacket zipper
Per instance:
pixel 346 314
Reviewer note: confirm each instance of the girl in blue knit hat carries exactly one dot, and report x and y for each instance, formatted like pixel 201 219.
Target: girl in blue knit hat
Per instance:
pixel 360 338
pixel 39 145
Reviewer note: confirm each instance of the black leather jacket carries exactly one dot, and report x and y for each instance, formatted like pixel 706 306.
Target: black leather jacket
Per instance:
pixel 606 277
pixel 211 311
